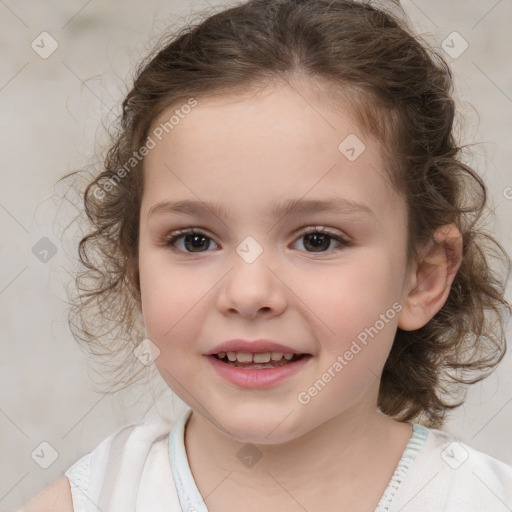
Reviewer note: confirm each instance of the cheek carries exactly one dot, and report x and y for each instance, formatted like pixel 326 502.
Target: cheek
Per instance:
pixel 356 302
pixel 166 300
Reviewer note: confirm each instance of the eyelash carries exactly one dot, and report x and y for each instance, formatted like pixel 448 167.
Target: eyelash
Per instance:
pixel 174 237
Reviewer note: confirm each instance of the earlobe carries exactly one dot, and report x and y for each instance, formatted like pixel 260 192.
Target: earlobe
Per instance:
pixel 431 278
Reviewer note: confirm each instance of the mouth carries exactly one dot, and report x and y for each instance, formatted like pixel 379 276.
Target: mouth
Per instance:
pixel 258 361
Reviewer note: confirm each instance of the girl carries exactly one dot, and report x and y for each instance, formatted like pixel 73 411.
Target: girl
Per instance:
pixel 285 220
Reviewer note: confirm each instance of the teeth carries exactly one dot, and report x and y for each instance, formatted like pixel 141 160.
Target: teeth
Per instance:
pixel 247 357
pixel 244 357
pixel 261 358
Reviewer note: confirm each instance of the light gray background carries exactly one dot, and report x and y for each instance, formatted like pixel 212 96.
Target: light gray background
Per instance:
pixel 51 118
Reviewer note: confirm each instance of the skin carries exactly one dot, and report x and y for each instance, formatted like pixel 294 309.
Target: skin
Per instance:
pixel 249 152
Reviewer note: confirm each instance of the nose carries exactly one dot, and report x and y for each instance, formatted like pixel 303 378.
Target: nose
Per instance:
pixel 252 289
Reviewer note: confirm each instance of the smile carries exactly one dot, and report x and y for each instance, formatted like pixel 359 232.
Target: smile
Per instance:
pixel 259 369
pixel 258 360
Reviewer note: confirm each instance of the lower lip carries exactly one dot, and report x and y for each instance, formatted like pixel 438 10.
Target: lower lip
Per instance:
pixel 255 378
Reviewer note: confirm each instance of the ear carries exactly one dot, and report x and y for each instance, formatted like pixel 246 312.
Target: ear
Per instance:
pixel 431 278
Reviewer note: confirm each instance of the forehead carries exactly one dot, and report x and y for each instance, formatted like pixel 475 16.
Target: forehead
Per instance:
pixel 255 148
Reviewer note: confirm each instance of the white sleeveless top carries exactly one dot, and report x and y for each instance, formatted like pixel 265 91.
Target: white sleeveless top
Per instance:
pixel 143 467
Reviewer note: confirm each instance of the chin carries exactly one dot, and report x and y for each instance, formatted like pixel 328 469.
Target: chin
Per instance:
pixel 259 428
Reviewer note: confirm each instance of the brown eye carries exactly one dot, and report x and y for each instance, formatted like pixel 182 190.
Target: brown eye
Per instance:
pixel 319 240
pixel 193 241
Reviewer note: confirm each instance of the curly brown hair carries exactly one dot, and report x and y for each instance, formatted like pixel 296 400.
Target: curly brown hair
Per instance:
pixel 400 92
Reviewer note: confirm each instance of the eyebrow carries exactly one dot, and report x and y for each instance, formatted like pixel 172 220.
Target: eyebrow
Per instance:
pixel 289 207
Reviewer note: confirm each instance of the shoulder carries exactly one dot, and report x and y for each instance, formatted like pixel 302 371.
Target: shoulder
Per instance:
pixel 129 466
pixel 85 477
pixel 448 474
pixel 56 497
pixel 117 469
pixel 473 479
pixel 455 454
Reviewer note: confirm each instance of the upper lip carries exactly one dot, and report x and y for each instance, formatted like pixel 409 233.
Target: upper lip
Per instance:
pixel 255 346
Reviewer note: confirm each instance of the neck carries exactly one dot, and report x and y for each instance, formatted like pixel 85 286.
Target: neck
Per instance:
pixel 341 449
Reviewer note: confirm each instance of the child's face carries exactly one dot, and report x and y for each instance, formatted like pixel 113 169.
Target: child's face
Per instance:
pixel 308 293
